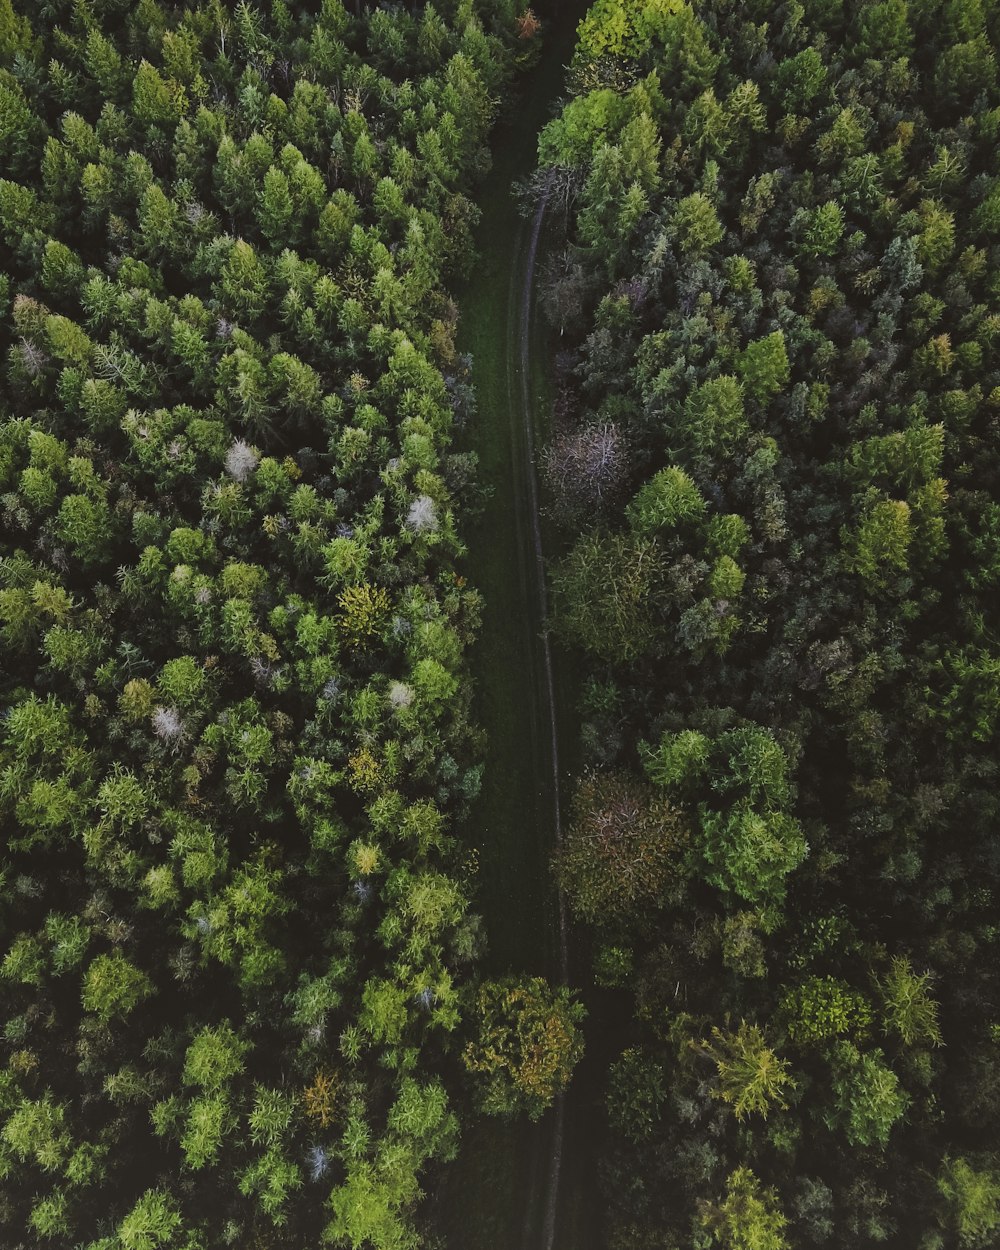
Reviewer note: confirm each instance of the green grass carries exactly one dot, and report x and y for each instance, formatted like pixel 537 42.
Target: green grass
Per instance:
pixel 514 804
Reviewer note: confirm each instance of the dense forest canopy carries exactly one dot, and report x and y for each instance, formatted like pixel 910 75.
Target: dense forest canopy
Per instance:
pixel 235 942
pixel 773 292
pixel 238 736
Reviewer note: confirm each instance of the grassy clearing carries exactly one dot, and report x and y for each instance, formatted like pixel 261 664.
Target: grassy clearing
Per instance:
pixel 514 803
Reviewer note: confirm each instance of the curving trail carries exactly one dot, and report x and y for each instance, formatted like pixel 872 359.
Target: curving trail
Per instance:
pixel 520 1186
pixel 522 414
pixel 530 469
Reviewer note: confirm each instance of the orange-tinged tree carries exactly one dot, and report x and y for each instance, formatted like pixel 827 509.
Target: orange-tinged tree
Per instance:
pixel 527 1045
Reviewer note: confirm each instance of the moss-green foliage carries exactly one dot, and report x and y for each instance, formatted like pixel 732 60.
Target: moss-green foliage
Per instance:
pixel 605 590
pixel 867 1098
pixel 792 327
pixel 746 840
pixel 822 1008
pixel 236 728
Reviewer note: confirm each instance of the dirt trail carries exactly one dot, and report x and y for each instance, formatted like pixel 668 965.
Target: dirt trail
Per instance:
pixel 523 413
pixel 517 1186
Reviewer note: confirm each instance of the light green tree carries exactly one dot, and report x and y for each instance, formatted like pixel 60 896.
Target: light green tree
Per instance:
pixel 214 1057
pixel 764 367
pixel 868 1100
pixel 152 1224
pixel 697 224
pixel 751 1077
pixel 746 1217
pixel 669 498
pixel 971 1198
pixel 907 1006
pixel 112 986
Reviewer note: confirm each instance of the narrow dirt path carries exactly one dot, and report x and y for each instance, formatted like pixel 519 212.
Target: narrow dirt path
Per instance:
pixel 513 1184
pixel 523 415
pixel 530 470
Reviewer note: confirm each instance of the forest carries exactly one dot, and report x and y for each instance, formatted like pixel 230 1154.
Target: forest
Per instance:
pixel 237 942
pixel 773 292
pixel 249 752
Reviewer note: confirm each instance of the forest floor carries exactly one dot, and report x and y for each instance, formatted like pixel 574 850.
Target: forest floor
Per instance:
pixel 517 1187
